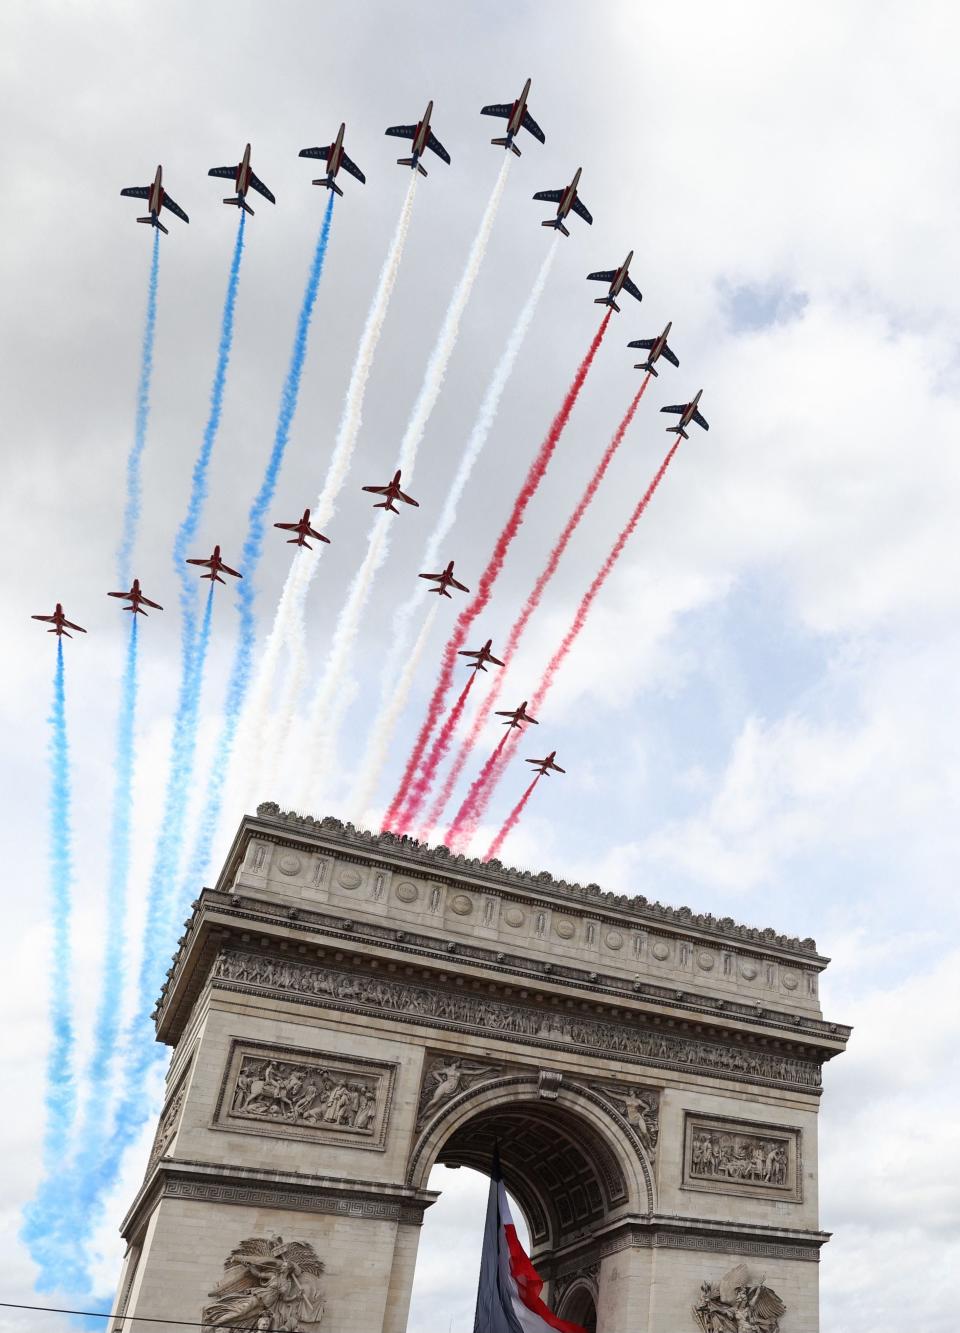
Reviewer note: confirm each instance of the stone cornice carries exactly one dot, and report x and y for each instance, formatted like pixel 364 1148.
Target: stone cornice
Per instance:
pixel 672 1231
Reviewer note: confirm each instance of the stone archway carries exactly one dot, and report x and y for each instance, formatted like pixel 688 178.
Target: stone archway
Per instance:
pixel 578 1304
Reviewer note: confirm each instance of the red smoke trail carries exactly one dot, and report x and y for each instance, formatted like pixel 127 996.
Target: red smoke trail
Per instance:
pixel 469 817
pixel 440 747
pixel 484 588
pixel 510 822
pixel 491 762
pixel 531 604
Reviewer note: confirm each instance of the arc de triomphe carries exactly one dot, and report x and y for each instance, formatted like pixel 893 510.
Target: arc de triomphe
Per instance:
pixel 348 1009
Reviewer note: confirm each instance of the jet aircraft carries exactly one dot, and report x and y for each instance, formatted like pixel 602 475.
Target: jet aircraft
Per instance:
pixel 687 412
pixel 157 198
pixel 303 530
pixel 565 199
pixel 517 716
pixel 545 766
pixel 444 581
pixel 517 117
pixel 482 655
pixel 619 280
pixel 136 599
pixel 393 492
pixel 657 347
pixel 244 179
pixel 423 138
pixel 215 565
pixel 61 625
pixel 335 158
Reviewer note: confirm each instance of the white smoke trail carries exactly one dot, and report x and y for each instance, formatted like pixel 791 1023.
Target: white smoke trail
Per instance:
pixel 330 701
pixel 395 685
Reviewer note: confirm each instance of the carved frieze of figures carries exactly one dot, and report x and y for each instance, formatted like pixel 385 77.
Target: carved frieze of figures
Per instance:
pixel 169 1119
pixel 445 1076
pixel 640 1107
pixel 729 1157
pixel 739 1303
pixel 268 1284
pixel 302 1094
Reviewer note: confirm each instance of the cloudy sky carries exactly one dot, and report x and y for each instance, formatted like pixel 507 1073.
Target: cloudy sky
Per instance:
pixel 761 719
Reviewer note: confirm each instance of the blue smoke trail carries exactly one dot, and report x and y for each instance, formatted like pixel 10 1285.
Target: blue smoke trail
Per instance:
pixel 131 513
pixel 246 591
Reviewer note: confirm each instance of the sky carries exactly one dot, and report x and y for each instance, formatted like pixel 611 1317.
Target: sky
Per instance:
pixel 760 719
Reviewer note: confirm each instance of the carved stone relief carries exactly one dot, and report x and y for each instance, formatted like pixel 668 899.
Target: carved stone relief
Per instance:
pixel 169 1119
pixel 739 1303
pixel 444 1077
pixel 268 1284
pixel 724 1156
pixel 640 1107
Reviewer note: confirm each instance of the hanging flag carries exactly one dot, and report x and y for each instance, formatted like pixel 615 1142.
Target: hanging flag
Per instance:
pixel 508 1295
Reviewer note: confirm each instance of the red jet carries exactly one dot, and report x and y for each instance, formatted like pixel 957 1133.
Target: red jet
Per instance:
pixel 619 280
pixel 517 117
pixel 565 200
pixel 60 623
pixel 136 599
pixel 687 412
pixel 423 138
pixel 393 492
pixel 517 716
pixel 545 766
pixel 335 158
pixel 657 347
pixel 157 198
pixel 303 530
pixel 244 179
pixel 445 581
pixel 215 566
pixel 483 655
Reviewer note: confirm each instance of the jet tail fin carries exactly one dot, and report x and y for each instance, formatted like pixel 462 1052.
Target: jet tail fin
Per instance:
pixel 649 367
pixel 238 201
pixel 556 224
pixel 386 504
pixel 330 183
pixel 606 300
pixel 678 430
pixel 411 162
pixel 506 142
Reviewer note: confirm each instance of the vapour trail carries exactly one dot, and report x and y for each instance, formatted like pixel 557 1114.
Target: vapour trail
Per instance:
pixel 288 624
pixel 131 512
pixel 410 794
pixel 330 701
pixel 529 607
pixel 395 681
pixel 240 671
pixel 479 800
pixel 510 822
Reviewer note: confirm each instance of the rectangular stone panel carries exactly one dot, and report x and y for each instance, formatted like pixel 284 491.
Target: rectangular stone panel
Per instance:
pixel 722 1156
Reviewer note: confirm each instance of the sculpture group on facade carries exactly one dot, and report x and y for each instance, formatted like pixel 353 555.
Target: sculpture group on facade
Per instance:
pixel 738 1304
pixel 268 1284
pixel 285 1090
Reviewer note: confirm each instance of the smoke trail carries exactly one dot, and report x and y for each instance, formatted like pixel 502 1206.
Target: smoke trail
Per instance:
pixel 240 671
pixel 484 589
pixel 489 764
pixel 329 702
pixel 510 822
pixel 531 604
pixel 395 683
pixel 440 747
pixel 131 512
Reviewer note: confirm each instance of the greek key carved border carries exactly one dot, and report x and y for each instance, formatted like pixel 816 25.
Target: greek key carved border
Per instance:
pixel 259 1197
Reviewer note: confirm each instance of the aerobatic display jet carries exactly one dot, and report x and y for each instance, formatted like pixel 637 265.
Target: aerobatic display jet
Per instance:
pixel 393 492
pixel 565 199
pixel 216 566
pixel 517 716
pixel 619 280
pixel 303 530
pixel 423 138
pixel 61 625
pixel 157 198
pixel 687 412
pixel 657 347
pixel 335 158
pixel 444 581
pixel 244 179
pixel 136 599
pixel 517 117
pixel 483 655
pixel 545 766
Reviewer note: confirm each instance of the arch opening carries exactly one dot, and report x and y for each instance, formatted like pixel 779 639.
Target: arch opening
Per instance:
pixel 579 1306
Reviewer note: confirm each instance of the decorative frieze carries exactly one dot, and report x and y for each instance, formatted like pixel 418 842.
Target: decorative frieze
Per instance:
pixel 722 1156
pixel 169 1119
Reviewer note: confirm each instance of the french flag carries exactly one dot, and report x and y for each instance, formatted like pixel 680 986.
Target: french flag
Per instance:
pixel 508 1296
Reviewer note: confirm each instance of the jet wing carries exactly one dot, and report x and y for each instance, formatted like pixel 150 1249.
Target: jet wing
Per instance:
pixel 607 275
pixel 408 499
pixel 434 143
pixel 459 585
pixel 582 211
pixel 677 408
pixel 376 490
pixel 228 173
pixel 530 124
pixel 257 184
pixel 195 560
pixel 147 602
pixel 402 131
pixel 227 570
pixel 288 527
pixel 495 660
pixel 317 536
pixel 648 344
pixel 550 196
pixel 174 208
pixel 502 109
pixel 322 153
pixel 631 287
pixel 669 355
pixel 137 191
pixel 353 169
pixel 71 625
pixel 701 421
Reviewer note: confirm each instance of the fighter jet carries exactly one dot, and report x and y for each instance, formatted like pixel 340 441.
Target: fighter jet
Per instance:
pixel 335 158
pixel 303 529
pixel 545 766
pixel 423 138
pixel 61 625
pixel 157 198
pixel 393 492
pixel 215 565
pixel 444 581
pixel 687 412
pixel 517 716
pixel 244 179
pixel 483 655
pixel 517 116
pixel 619 280
pixel 657 347
pixel 565 199
pixel 136 599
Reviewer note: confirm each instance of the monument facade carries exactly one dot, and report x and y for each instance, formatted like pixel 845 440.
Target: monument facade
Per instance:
pixel 346 1010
